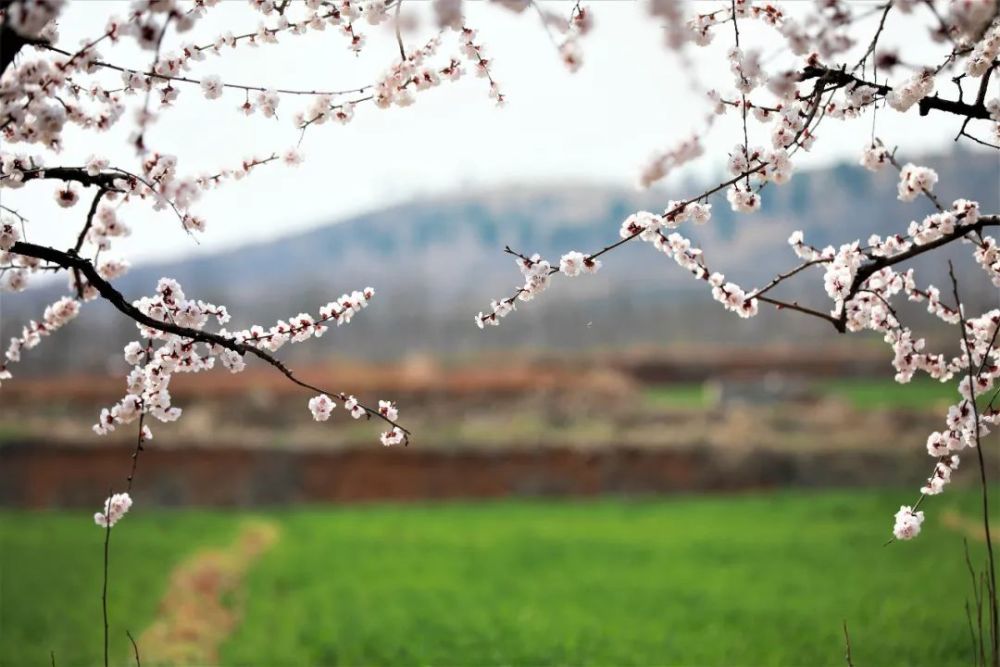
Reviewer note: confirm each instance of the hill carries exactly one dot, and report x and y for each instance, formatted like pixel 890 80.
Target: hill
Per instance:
pixel 436 262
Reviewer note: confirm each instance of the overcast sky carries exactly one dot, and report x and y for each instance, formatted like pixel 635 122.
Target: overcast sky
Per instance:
pixel 631 98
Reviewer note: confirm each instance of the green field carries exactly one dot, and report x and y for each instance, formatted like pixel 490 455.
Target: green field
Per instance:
pixel 867 394
pixel 861 393
pixel 735 580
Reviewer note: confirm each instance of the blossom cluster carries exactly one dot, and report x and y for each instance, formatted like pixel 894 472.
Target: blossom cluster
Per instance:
pixel 645 226
pixel 322 407
pixel 537 274
pixel 47 89
pixel 984 52
pixel 908 523
pixel 862 293
pixel 699 27
pixel 867 305
pixel 580 23
pixel 54 318
pixel 662 164
pixel 915 89
pixel 475 52
pixel 874 157
pixel 115 507
pixel 303 326
pixel 987 255
pixel 164 354
pixel 852 101
pixel 914 180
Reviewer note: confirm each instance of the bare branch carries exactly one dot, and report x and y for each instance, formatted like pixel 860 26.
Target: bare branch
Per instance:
pixel 861 63
pixel 847 644
pixel 135 649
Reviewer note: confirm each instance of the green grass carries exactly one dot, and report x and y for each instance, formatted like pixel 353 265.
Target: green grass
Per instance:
pixel 870 394
pixel 51 576
pixel 737 580
pixel 861 393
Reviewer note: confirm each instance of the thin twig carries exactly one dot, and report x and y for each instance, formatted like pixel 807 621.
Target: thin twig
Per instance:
pixel 235 86
pixel 800 309
pixel 545 24
pixel 847 644
pixel 83 235
pixel 781 277
pixel 90 219
pixel 874 42
pixel 743 97
pixel 979 656
pixel 135 649
pixel 104 591
pixel 399 34
pixel 991 564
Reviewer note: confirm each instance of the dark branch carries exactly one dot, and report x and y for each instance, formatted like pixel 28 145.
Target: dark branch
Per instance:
pixel 135 649
pixel 11 43
pixel 841 78
pixel 847 635
pixel 861 63
pixel 104 179
pixel 877 264
pixel 780 305
pixel 90 219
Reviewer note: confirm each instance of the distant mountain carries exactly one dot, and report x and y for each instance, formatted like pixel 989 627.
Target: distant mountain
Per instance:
pixel 435 263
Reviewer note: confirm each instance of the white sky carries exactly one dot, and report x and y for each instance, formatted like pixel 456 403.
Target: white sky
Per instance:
pixel 599 125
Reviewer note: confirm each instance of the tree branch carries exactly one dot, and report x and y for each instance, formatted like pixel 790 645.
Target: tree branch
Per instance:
pixel 841 78
pixel 103 179
pixel 70 260
pixel 11 43
pixel 877 264
pixel 235 86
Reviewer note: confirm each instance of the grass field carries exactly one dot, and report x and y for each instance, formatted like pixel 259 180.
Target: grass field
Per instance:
pixel 862 393
pixel 867 394
pixel 736 580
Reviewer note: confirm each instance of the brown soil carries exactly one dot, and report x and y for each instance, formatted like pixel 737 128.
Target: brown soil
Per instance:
pixel 202 605
pixel 38 476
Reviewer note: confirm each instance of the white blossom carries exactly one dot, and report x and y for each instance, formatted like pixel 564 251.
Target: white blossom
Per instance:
pixel 874 157
pixel 115 507
pixel 908 523
pixel 914 180
pixel 211 86
pixel 321 407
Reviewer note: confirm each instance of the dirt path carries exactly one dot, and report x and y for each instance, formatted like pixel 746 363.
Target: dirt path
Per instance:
pixel 204 601
pixel 971 528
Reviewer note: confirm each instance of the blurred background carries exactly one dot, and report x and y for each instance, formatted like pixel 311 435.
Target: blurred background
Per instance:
pixel 630 381
pixel 621 473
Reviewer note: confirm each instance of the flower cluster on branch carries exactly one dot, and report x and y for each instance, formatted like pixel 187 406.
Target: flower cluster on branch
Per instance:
pixel 861 279
pixel 49 87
